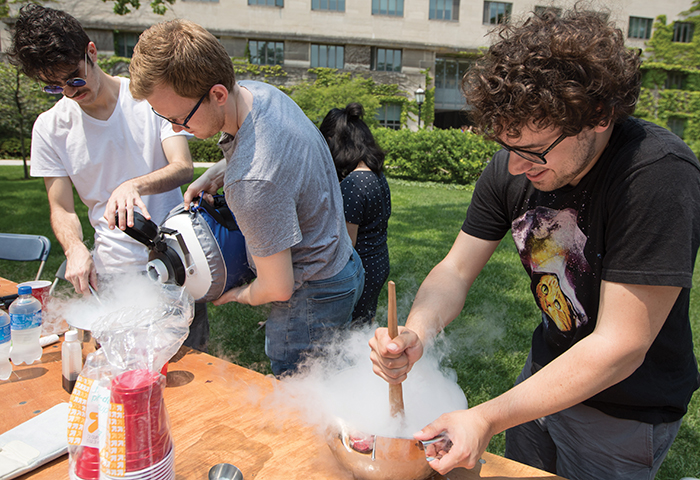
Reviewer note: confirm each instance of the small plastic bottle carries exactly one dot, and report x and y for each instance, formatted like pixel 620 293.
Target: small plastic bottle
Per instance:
pixel 5 342
pixel 71 360
pixel 25 326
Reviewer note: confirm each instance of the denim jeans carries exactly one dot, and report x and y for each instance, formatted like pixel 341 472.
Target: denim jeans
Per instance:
pixel 316 311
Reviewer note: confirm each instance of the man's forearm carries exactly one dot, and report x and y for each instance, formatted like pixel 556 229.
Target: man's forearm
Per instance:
pixel 68 230
pixel 164 179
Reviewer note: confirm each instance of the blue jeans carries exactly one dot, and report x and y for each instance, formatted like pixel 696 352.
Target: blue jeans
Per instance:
pixel 316 311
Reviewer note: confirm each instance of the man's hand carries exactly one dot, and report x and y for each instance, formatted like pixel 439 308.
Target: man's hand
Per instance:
pixel 122 202
pixel 207 184
pixel 80 270
pixel 469 433
pixel 233 295
pixel 393 359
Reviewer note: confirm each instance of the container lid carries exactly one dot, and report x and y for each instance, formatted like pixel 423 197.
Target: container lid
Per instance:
pixel 24 290
pixel 71 336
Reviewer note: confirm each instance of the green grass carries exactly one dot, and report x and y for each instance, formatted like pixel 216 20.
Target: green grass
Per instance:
pixel 488 342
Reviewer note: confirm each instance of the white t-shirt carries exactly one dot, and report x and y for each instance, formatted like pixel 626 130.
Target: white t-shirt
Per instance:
pixel 100 155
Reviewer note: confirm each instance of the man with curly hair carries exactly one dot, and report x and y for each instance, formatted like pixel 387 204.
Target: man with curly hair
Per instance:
pixel 605 213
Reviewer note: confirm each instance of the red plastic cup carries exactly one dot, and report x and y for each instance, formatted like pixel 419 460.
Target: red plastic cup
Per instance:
pixel 87 463
pixel 140 391
pixel 40 290
pixel 147 436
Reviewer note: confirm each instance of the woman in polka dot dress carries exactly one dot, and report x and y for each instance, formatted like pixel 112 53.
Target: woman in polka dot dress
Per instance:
pixel 366 198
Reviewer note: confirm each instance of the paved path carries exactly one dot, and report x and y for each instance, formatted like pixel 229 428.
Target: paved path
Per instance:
pixel 19 162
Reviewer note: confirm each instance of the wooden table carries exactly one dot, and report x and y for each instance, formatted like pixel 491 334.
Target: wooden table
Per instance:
pixel 7 287
pixel 220 412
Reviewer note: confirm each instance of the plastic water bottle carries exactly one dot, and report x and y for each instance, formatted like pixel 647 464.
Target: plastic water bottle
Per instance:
pixel 5 365
pixel 25 316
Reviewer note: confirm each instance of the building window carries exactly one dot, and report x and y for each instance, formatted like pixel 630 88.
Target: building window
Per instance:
pixel 267 3
pixel 386 60
pixel 387 7
pixel 676 125
pixel 124 44
pixel 389 115
pixel 541 10
pixel 328 56
pixel 497 12
pixel 674 81
pixel 640 28
pixel 334 5
pixel 444 10
pixel 263 52
pixel 448 77
pixel 682 32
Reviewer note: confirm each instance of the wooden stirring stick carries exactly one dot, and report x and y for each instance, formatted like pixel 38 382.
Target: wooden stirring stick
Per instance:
pixel 395 391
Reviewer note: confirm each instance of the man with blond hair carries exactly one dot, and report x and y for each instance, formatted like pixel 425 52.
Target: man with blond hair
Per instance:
pixel 279 180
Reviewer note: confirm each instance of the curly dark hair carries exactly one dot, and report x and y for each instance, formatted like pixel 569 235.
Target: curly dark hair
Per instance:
pixel 571 72
pixel 350 140
pixel 46 41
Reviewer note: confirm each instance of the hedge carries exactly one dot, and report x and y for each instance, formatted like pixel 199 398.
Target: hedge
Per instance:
pixel 446 156
pixel 205 150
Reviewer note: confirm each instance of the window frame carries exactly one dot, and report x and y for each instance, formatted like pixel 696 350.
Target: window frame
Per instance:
pixel 507 12
pixel 633 31
pixel 266 3
pixel 327 47
pixel 396 11
pixel 435 13
pixel 317 5
pixel 265 42
pixel 675 80
pixel 683 32
pixel 394 124
pixel 374 62
pixel 129 50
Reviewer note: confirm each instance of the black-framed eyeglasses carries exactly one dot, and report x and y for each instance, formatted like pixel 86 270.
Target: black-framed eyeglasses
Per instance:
pixel 72 82
pixel 533 157
pixel 188 117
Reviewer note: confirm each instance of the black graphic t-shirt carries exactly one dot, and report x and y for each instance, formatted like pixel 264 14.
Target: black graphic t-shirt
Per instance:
pixel 634 218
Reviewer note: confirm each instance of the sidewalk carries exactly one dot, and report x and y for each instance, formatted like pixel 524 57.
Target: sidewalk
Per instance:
pixel 19 162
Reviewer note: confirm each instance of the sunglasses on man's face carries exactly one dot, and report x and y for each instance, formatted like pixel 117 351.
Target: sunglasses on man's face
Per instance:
pixel 72 82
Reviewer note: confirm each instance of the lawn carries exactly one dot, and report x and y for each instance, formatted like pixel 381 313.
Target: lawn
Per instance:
pixel 488 342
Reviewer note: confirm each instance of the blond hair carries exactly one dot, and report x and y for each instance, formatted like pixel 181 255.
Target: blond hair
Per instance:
pixel 181 55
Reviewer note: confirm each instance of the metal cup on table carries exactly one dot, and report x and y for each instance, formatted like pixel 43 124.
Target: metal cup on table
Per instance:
pixel 225 471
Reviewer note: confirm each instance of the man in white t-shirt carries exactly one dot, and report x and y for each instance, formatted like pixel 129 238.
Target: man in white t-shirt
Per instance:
pixel 116 153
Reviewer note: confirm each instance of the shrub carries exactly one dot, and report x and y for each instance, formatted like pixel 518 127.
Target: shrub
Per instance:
pixel 447 156
pixel 205 150
pixel 12 148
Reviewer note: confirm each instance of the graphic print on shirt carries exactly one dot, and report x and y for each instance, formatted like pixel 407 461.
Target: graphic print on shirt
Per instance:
pixel 550 244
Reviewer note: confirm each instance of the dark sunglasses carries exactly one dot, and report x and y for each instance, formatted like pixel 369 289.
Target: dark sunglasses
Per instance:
pixel 533 157
pixel 73 82
pixel 188 117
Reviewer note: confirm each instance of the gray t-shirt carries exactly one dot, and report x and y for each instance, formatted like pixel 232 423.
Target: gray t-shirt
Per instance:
pixel 281 185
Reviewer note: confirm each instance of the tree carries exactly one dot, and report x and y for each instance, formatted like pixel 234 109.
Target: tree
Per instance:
pixel 123 7
pixel 331 89
pixel 23 102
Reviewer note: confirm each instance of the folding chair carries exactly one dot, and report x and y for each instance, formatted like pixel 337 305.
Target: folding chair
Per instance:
pixel 25 248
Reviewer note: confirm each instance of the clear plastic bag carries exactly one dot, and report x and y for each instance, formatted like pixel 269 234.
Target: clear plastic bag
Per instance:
pixel 118 426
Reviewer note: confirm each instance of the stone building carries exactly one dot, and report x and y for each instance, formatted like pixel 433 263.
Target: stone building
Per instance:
pixel 394 41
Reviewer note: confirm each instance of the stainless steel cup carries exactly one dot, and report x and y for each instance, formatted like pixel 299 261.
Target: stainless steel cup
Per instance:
pixel 225 471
